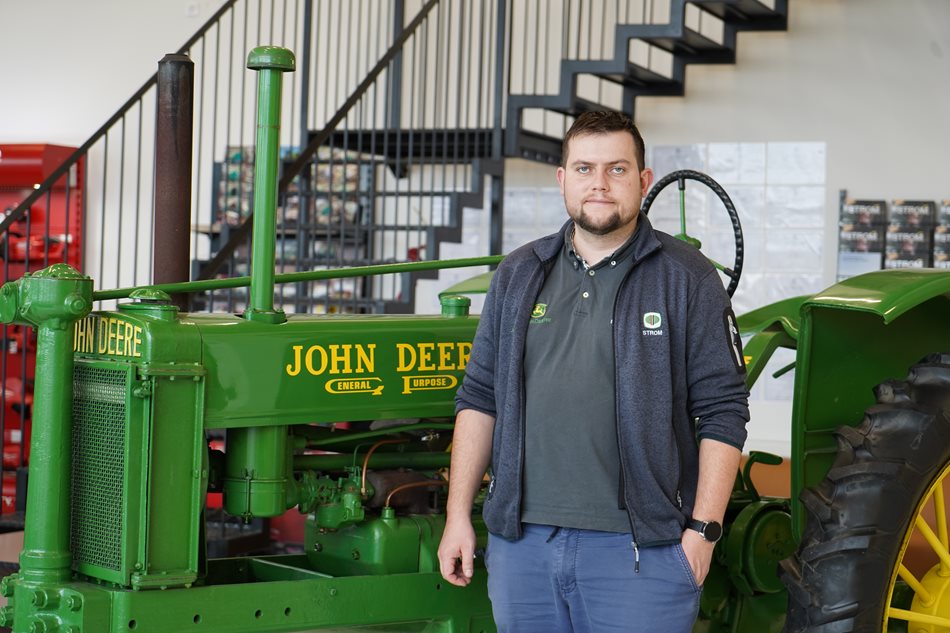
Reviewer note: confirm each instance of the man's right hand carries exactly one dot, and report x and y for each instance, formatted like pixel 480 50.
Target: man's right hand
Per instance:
pixel 457 552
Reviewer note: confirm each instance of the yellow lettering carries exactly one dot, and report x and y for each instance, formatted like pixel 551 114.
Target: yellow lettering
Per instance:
pixel 366 362
pixel 340 359
pixel 136 341
pixel 110 336
pixel 77 328
pixel 308 360
pixel 465 350
pixel 103 339
pixel 407 357
pixel 90 335
pixel 445 356
pixel 430 382
pixel 119 337
pixel 294 368
pixel 127 351
pixel 425 356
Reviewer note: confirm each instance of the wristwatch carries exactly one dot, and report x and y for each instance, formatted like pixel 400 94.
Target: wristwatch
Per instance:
pixel 711 531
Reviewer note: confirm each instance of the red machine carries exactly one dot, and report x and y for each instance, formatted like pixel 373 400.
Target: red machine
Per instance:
pixel 49 232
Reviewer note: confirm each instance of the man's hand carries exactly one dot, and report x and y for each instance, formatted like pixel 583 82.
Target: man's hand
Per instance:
pixel 458 542
pixel 698 553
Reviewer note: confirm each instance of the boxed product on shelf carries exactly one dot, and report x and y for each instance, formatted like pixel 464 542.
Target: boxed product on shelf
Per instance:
pixel 909 239
pixel 910 215
pixel 908 249
pixel 861 228
pixel 862 215
pixel 941 253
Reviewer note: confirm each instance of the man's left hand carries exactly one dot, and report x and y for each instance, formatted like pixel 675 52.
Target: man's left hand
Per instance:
pixel 699 553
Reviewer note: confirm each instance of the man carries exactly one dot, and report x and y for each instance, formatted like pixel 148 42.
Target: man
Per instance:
pixel 606 387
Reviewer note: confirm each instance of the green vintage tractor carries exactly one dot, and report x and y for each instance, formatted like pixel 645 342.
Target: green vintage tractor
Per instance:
pixel 348 418
pixel 863 543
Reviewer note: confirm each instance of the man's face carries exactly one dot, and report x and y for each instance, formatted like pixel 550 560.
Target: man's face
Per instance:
pixel 602 184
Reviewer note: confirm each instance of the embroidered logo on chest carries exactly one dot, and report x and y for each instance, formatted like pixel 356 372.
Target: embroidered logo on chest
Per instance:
pixel 538 313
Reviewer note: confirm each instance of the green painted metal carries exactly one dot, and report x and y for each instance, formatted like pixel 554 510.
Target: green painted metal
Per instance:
pixel 50 300
pixel 270 62
pixel 472 286
pixel 308 275
pixel 334 462
pixel 317 369
pixel 121 467
pixel 886 293
pixel 257 472
pixel 333 438
pixel 386 544
pixel 454 305
pixel 843 352
pixel 784 315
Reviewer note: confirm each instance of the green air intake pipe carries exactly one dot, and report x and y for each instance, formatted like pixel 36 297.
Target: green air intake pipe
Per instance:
pixel 270 62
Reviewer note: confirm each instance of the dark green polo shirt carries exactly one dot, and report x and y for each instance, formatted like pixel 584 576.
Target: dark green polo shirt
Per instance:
pixel 572 463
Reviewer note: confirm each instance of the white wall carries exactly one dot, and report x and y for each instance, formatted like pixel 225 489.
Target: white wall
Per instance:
pixel 67 66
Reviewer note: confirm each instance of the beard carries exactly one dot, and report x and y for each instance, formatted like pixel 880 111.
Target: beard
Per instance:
pixel 603 225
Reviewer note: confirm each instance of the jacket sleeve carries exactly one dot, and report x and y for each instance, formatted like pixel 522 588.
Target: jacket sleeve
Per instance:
pixel 715 368
pixel 478 386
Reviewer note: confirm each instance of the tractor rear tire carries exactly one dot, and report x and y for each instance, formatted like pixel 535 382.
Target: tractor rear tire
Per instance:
pixel 858 521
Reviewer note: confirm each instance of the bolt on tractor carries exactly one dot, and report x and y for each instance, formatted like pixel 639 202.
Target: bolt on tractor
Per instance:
pixel 115 537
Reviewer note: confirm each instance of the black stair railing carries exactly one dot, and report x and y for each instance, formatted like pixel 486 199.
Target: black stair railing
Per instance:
pixel 117 179
pixel 385 180
pixel 611 52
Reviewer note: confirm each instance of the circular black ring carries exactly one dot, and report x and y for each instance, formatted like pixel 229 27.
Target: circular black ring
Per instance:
pixel 682 176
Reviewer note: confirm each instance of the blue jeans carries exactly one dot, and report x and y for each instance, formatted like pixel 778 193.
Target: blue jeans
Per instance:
pixel 583 581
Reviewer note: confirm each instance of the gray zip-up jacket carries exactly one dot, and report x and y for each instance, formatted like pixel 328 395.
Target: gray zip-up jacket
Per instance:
pixel 680 376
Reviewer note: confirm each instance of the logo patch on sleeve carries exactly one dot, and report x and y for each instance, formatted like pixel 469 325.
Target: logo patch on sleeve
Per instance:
pixel 735 340
pixel 652 322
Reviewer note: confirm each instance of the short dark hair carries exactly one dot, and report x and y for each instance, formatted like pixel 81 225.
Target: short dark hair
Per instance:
pixel 604 122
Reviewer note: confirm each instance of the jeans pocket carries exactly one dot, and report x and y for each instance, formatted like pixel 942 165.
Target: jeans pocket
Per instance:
pixel 684 562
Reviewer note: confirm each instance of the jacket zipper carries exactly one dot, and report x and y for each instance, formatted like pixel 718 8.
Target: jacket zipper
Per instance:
pixel 613 334
pixel 524 397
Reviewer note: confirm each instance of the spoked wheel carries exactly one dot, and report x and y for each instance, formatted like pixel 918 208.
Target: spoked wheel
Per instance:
pixel 681 177
pixel 875 552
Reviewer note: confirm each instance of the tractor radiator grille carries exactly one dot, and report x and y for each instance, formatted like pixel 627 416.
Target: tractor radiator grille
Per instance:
pixel 98 464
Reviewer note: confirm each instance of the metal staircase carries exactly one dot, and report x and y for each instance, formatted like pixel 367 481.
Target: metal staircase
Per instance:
pixel 381 163
pixel 647 59
pixel 400 115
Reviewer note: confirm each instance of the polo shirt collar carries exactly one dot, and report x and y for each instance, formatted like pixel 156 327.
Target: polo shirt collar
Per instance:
pixel 641 243
pixel 614 258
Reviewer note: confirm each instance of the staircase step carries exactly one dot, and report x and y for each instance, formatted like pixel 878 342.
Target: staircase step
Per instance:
pixel 750 15
pixel 537 147
pixel 646 82
pixel 688 45
pixel 442 144
pixel 578 106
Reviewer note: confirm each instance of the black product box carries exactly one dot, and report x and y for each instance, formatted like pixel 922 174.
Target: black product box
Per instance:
pixel 870 240
pixel 943 216
pixel 941 249
pixel 862 225
pixel 908 249
pixel 862 215
pixel 911 215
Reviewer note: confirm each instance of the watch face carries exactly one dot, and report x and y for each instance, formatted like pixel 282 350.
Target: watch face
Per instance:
pixel 712 532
